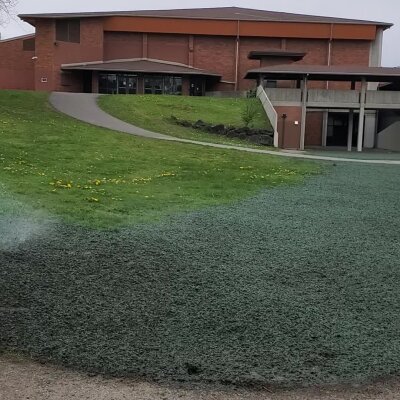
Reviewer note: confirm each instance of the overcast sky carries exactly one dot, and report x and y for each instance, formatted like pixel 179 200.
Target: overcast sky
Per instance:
pixel 376 10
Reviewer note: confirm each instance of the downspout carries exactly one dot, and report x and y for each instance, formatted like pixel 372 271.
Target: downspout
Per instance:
pixel 237 56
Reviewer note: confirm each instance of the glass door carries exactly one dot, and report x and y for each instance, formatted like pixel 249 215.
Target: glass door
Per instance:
pixel 122 84
pixel 197 86
pixel 153 85
pixel 117 84
pixel 132 84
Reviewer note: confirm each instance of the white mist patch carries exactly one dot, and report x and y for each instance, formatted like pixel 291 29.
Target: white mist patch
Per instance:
pixel 18 222
pixel 16 230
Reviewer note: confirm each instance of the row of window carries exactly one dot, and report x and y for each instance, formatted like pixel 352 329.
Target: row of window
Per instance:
pixel 127 84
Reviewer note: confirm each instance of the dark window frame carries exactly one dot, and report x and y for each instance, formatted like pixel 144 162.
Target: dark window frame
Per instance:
pixel 110 83
pixel 29 44
pixel 166 85
pixel 68 30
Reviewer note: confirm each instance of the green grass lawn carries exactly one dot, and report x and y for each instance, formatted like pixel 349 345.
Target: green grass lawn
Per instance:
pixel 102 178
pixel 154 113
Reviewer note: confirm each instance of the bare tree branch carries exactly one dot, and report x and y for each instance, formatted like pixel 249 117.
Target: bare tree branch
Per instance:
pixel 5 9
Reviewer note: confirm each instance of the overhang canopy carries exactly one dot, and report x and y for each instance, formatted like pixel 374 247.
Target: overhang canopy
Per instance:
pixel 140 65
pixel 274 53
pixel 326 73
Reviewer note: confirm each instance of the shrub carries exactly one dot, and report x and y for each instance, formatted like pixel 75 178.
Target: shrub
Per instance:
pixel 249 113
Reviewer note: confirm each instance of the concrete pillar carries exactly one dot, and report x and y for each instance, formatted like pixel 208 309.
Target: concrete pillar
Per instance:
pixel 140 85
pixel 185 86
pixel 350 131
pixel 360 140
pixel 370 129
pixel 325 128
pixel 303 113
pixel 375 55
pixel 95 82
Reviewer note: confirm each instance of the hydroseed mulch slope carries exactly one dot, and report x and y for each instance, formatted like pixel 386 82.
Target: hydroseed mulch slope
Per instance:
pixel 298 285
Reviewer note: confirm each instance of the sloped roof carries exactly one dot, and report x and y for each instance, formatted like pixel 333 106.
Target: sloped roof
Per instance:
pixel 324 72
pixel 220 13
pixel 28 36
pixel 143 65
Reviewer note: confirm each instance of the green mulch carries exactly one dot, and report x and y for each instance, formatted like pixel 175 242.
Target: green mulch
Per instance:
pixel 366 154
pixel 96 177
pixel 154 113
pixel 298 285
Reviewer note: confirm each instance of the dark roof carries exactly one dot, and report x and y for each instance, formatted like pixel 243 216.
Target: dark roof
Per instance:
pixel 258 55
pixel 220 13
pixel 324 72
pixel 140 65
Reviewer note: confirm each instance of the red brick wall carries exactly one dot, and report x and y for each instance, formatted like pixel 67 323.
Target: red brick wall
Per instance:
pixel 346 52
pixel 253 44
pixel 216 54
pixel 169 47
pixel 350 52
pixel 51 53
pixel 16 66
pixel 120 45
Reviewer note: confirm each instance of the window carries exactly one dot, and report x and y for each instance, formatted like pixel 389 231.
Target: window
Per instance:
pixel 173 85
pixel 270 84
pixel 117 84
pixel 108 84
pixel 163 85
pixel 28 44
pixel 68 30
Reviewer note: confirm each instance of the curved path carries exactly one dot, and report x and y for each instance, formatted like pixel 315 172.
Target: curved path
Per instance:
pixel 84 107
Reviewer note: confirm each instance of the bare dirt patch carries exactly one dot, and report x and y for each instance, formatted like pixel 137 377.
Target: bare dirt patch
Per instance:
pixel 22 379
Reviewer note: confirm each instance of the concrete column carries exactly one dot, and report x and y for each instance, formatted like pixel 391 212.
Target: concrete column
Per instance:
pixel 303 113
pixel 370 129
pixel 375 55
pixel 350 131
pixel 140 85
pixel 325 128
pixel 95 82
pixel 360 140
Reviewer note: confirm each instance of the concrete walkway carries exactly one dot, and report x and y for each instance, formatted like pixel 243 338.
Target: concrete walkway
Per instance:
pixel 84 108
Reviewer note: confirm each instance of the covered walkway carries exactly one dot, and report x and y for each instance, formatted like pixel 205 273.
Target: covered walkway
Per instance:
pixel 351 89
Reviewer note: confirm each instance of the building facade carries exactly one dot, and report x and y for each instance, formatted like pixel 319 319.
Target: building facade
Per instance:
pixel 189 52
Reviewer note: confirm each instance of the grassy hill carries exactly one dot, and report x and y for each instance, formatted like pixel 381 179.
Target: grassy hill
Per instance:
pixel 93 176
pixel 155 112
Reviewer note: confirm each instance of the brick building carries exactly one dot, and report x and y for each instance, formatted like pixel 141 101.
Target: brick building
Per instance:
pixel 188 52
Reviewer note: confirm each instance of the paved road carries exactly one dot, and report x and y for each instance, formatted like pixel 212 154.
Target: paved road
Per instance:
pixel 84 107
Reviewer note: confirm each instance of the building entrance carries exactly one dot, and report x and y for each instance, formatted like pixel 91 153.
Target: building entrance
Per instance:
pixel 117 84
pixel 338 129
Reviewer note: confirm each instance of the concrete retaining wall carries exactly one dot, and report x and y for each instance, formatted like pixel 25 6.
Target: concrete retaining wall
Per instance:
pixel 389 138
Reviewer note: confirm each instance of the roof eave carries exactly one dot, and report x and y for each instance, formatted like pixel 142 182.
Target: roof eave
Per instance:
pixel 24 17
pixel 324 76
